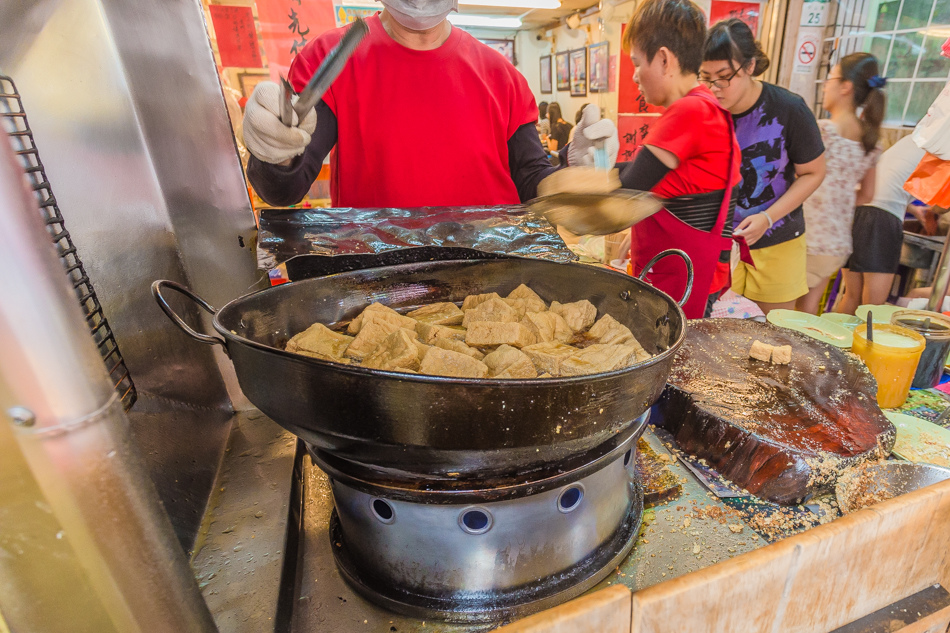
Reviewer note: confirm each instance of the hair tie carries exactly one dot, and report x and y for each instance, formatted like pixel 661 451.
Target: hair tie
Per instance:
pixel 877 81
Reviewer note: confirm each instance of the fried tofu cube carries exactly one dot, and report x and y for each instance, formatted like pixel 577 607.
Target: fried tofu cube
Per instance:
pixel 518 305
pixel 428 332
pixel 443 362
pixel 533 302
pixel 398 351
pixel 508 362
pixel 473 301
pixel 495 310
pixel 372 333
pixel 488 333
pixel 458 346
pixel 609 330
pixel 547 357
pixel 319 341
pixel 597 359
pixel 355 325
pixel 438 314
pixel 548 326
pixel 760 351
pixel 580 315
pixel 781 354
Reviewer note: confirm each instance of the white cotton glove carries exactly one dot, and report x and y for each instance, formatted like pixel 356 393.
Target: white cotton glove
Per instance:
pixel 590 131
pixel 265 136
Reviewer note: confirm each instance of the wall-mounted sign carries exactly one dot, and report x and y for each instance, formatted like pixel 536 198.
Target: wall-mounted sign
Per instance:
pixel 814 14
pixel 748 12
pixel 236 36
pixel 287 26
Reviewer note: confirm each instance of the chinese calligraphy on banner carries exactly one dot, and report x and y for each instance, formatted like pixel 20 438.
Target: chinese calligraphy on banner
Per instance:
pixel 287 25
pixel 633 129
pixel 236 36
pixel 748 12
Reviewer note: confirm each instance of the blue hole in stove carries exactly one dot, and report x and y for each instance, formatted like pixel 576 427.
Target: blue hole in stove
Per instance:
pixel 475 521
pixel 570 499
pixel 383 511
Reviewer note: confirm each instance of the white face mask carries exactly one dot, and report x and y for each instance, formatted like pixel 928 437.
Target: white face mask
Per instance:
pixel 420 15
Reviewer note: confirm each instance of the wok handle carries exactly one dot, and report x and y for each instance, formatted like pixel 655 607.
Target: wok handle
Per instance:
pixel 157 287
pixel 689 271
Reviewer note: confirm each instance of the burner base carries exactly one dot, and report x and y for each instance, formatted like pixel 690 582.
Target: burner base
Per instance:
pixel 493 561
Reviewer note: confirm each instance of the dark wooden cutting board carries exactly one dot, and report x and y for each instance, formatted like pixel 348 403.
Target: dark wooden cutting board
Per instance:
pixel 782 432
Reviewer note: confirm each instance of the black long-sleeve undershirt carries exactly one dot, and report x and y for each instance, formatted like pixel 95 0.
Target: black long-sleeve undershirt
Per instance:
pixel 283 186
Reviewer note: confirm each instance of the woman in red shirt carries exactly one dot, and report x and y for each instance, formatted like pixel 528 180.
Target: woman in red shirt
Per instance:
pixel 690 157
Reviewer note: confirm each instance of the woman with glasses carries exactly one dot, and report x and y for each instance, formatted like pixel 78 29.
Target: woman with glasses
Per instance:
pixel 782 164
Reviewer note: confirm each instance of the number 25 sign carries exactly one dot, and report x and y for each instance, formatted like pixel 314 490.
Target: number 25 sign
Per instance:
pixel 814 14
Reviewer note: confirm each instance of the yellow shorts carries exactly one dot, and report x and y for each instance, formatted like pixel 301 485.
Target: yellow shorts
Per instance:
pixel 778 276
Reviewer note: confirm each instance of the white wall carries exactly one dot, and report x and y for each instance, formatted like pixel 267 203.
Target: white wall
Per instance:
pixel 594 29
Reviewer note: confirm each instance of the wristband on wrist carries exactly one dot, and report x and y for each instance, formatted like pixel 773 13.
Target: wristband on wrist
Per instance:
pixel 767 217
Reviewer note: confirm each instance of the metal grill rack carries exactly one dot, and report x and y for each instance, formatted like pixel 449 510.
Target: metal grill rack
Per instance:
pixel 17 127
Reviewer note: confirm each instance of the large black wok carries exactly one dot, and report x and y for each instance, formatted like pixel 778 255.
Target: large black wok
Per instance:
pixel 438 426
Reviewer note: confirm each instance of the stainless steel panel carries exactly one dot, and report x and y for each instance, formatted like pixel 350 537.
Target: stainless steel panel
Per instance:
pixel 73 434
pixel 131 123
pixel 128 115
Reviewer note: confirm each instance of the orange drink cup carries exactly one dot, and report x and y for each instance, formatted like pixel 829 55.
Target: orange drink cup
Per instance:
pixel 892 358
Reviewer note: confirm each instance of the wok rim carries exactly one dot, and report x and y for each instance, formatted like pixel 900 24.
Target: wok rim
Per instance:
pixel 359 370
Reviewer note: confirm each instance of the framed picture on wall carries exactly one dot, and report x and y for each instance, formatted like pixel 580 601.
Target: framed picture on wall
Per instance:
pixel 250 80
pixel 562 67
pixel 546 86
pixel 578 66
pixel 599 67
pixel 505 47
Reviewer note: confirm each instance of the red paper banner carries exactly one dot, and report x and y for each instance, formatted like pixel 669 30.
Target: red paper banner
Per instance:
pixel 633 129
pixel 629 98
pixel 748 12
pixel 236 35
pixel 287 25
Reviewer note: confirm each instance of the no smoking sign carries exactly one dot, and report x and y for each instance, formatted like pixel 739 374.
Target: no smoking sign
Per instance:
pixel 806 53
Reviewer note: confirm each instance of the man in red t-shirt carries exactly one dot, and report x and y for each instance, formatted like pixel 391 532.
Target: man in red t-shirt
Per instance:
pixel 423 114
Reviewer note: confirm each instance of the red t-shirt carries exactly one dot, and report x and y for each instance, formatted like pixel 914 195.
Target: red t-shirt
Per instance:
pixel 698 134
pixel 420 128
pixel 696 131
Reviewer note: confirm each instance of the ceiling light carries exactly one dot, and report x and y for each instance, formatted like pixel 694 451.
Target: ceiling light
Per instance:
pixel 516 4
pixel 484 21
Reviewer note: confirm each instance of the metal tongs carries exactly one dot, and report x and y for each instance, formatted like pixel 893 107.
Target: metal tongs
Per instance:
pixel 323 78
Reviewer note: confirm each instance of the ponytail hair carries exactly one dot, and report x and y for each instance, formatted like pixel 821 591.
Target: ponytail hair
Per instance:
pixel 863 71
pixel 732 40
